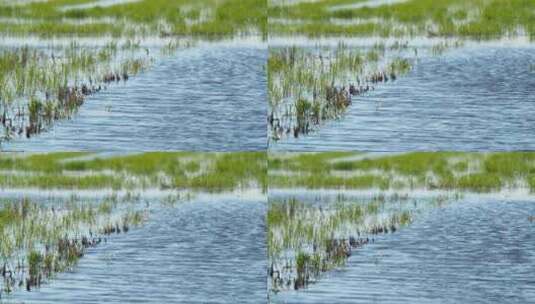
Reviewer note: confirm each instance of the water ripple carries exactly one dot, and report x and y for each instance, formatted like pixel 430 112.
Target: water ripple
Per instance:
pixel 207 98
pixel 197 252
pixel 474 98
pixel 478 251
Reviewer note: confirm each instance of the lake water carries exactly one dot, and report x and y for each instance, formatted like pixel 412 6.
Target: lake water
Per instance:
pixel 209 250
pixel 207 98
pixel 478 97
pixel 474 251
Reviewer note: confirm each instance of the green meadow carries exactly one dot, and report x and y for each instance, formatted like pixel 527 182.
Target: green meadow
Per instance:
pixel 480 19
pixel 141 18
pixel 312 232
pixel 212 172
pixel 476 172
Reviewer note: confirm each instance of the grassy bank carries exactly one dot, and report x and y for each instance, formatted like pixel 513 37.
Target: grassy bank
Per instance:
pixel 478 172
pixel 481 19
pixel 173 170
pixel 145 17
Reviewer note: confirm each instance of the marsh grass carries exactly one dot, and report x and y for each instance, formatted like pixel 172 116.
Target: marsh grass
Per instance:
pixel 41 86
pixel 142 18
pixel 309 86
pixel 39 240
pixel 214 172
pixel 306 240
pixel 478 19
pixel 477 172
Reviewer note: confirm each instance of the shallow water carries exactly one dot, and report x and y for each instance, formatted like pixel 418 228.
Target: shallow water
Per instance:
pixel 476 251
pixel 207 98
pixel 472 98
pixel 204 251
pixel 369 3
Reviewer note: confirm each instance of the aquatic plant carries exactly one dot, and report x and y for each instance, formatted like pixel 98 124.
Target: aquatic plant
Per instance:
pixel 307 87
pixel 38 241
pixel 42 86
pixel 307 239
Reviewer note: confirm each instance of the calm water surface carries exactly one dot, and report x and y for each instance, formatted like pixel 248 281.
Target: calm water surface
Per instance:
pixel 472 98
pixel 475 251
pixel 207 98
pixel 204 251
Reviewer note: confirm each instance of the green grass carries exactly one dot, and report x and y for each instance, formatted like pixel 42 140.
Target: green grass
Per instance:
pixel 42 86
pixel 166 170
pixel 308 239
pixel 474 18
pixel 308 86
pixel 38 240
pixel 180 17
pixel 478 172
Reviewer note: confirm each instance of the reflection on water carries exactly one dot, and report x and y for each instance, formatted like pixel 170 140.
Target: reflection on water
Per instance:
pixel 204 251
pixel 211 97
pixel 476 251
pixel 473 98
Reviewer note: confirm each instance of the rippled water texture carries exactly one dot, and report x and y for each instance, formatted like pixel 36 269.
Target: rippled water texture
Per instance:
pixel 205 251
pixel 207 98
pixel 472 98
pixel 476 251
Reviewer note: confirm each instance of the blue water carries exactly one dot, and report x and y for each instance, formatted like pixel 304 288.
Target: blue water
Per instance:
pixel 474 98
pixel 475 251
pixel 207 98
pixel 209 250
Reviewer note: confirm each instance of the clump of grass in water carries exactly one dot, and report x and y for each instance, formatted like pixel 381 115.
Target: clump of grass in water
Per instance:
pixel 306 240
pixel 307 87
pixel 42 86
pixel 38 241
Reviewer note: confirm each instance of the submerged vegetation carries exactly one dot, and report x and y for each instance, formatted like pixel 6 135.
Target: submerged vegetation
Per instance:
pixel 47 71
pixel 212 172
pixel 309 86
pixel 39 240
pixel 480 19
pixel 307 239
pixel 477 172
pixel 44 231
pixel 40 86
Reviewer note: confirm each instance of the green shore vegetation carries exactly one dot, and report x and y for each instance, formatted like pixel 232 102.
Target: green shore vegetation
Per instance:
pixel 479 19
pixel 212 172
pixel 476 172
pixel 39 240
pixel 144 17
pixel 309 86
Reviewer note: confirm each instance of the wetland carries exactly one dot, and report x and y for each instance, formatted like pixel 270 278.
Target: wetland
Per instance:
pixel 342 226
pixel 77 222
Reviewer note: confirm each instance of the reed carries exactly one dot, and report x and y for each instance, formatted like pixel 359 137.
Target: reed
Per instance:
pixel 310 86
pixel 307 239
pixel 39 241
